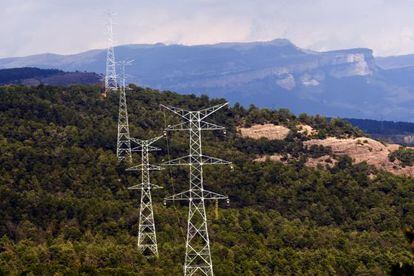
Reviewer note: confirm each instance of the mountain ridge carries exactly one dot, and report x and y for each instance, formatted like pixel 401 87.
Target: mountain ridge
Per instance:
pixel 272 74
pixel 394 62
pixel 9 61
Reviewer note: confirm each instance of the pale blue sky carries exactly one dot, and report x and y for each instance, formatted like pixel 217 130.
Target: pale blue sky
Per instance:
pixel 70 26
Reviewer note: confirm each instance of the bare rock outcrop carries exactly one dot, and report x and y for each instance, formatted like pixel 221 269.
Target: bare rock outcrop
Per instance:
pixel 365 149
pixel 269 131
pixel 273 157
pixel 306 130
pixel 362 149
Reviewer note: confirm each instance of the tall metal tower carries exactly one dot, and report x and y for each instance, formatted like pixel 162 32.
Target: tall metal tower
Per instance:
pixel 111 83
pixel 123 148
pixel 198 256
pixel 147 237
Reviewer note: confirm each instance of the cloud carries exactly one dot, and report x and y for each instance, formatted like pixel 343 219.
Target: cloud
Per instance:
pixel 70 26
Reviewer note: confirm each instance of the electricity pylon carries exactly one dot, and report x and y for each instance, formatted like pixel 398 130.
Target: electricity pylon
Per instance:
pixel 147 237
pixel 123 145
pixel 197 256
pixel 111 83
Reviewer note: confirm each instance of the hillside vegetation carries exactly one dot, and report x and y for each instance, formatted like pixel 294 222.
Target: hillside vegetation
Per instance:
pixel 391 132
pixel 36 76
pixel 65 207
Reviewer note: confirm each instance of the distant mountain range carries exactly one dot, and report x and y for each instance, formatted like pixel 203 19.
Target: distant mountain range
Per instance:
pixel 393 62
pixel 35 76
pixel 346 83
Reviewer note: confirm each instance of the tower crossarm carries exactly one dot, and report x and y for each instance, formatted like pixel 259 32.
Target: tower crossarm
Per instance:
pixel 178 127
pixel 210 126
pixel 196 194
pixel 149 148
pixel 148 167
pixel 204 113
pixel 145 144
pixel 153 140
pixel 185 160
pixel 145 186
pixel 209 160
pixel 186 126
pixel 179 111
pixel 137 141
pixel 201 160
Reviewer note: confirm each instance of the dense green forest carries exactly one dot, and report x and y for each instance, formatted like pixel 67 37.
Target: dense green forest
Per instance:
pixel 405 155
pixel 32 76
pixel 65 207
pixel 391 132
pixel 11 75
pixel 383 127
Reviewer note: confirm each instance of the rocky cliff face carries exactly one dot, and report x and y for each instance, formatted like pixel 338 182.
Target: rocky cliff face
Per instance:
pixel 336 64
pixel 224 64
pixel 274 74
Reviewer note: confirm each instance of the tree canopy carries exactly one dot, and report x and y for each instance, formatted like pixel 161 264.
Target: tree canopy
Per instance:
pixel 65 207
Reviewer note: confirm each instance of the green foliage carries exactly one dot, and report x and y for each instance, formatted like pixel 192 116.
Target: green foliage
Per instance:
pixel 405 155
pixel 65 207
pixel 406 268
pixel 14 75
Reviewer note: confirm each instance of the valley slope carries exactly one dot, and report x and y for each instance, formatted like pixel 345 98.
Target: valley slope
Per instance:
pixel 65 207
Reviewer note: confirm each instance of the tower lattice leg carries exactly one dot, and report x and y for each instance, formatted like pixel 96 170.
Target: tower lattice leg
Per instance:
pixel 197 257
pixel 147 238
pixel 123 149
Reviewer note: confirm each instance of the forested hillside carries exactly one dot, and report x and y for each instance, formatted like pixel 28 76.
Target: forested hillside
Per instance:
pixel 393 132
pixel 65 207
pixel 36 76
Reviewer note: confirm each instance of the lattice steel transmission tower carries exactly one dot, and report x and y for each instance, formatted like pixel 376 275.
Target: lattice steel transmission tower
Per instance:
pixel 111 83
pixel 147 237
pixel 123 147
pixel 198 256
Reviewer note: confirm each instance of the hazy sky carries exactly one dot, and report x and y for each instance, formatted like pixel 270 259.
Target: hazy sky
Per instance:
pixel 70 26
